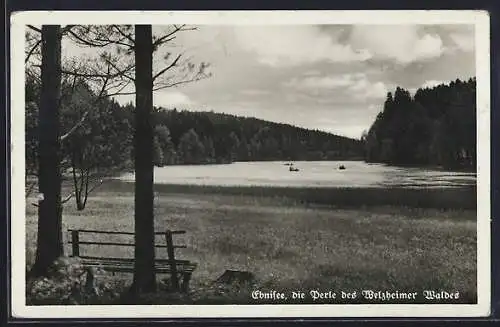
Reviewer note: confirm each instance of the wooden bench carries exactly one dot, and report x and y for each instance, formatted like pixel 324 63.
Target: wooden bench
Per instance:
pixel 177 269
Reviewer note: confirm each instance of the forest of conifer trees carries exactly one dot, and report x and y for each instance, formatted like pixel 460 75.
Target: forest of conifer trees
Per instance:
pixel 435 127
pixel 206 137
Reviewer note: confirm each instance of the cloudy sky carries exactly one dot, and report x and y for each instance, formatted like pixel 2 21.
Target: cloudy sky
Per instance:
pixel 327 77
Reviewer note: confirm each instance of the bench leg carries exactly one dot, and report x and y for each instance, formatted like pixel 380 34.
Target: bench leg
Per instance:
pixel 185 282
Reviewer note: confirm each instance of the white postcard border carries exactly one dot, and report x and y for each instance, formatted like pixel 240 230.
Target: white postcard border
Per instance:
pixel 479 18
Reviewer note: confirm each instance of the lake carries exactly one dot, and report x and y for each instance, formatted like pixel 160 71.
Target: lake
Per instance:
pixel 310 174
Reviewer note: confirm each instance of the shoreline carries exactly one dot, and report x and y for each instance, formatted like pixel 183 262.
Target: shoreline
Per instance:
pixel 441 198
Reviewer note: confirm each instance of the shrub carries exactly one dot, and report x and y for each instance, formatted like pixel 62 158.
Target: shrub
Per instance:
pixel 69 282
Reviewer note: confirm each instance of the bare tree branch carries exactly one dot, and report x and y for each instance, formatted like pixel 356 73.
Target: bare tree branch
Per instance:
pixel 32 50
pixel 75 127
pixel 35 29
pixel 84 117
pixel 165 86
pixel 72 194
pixel 87 42
pixel 115 79
pixel 96 41
pixel 119 92
pixel 31 188
pixel 101 181
pixel 168 37
pixel 66 29
pixel 67 198
pixel 104 84
pixel 33 75
pixel 127 36
pixel 72 88
pixel 63 201
pixel 161 72
pixel 97 72
pixel 121 72
pixel 163 39
pixel 92 75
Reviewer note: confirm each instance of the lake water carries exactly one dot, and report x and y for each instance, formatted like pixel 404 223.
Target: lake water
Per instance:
pixel 311 173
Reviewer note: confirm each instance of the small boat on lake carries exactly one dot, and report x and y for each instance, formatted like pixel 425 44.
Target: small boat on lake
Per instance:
pixel 341 167
pixel 293 168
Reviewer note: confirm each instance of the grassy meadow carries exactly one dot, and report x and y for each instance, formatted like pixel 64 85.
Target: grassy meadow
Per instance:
pixel 289 245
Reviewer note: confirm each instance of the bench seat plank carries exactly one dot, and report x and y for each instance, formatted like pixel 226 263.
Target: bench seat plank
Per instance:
pixel 113 267
pixel 131 263
pixel 127 265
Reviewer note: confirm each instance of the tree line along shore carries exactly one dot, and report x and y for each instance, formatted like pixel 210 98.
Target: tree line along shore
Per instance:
pixel 435 127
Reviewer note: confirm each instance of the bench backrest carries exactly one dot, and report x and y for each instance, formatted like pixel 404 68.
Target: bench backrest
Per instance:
pixel 172 261
pixel 76 242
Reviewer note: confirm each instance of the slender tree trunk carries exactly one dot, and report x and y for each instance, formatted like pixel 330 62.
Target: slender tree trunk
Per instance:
pixel 144 274
pixel 49 243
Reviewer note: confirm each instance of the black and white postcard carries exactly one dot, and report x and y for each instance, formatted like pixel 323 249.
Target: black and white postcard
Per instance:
pixel 250 164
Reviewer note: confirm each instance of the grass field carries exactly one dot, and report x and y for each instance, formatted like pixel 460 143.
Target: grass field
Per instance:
pixel 290 245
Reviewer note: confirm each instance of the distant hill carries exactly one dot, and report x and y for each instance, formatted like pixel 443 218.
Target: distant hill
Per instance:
pixel 209 137
pixel 104 142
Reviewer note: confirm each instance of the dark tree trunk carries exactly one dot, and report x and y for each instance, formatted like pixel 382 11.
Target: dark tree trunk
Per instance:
pixel 144 274
pixel 49 243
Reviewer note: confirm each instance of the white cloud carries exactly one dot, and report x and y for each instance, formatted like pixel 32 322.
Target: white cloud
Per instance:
pixel 322 82
pixel 171 98
pixel 294 45
pixel 462 37
pixel 429 46
pixel 427 84
pixel 352 131
pixel 166 98
pixel 370 90
pixel 464 41
pixel 432 83
pixel 254 92
pixel 403 43
pixel 357 85
pixel 313 72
